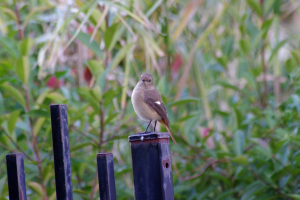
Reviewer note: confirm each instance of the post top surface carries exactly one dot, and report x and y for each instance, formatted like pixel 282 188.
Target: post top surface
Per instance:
pixel 148 136
pixel 57 105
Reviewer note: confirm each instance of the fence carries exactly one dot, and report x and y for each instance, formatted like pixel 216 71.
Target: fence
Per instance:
pixel 151 165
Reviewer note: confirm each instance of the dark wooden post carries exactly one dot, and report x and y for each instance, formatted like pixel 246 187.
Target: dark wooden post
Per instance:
pixel 151 165
pixel 61 150
pixel 106 176
pixel 16 176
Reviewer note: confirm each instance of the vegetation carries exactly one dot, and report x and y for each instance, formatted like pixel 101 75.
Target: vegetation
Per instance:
pixel 228 71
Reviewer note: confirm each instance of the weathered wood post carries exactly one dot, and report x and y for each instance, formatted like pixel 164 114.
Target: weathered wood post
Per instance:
pixel 16 176
pixel 61 150
pixel 106 176
pixel 151 165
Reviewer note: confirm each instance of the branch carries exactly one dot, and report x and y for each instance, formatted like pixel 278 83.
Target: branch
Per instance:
pixel 263 60
pixel 34 143
pixel 266 134
pixel 268 184
pixel 210 164
pixel 20 32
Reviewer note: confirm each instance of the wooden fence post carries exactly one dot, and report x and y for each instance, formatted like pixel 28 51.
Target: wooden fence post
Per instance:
pixel 151 165
pixel 61 150
pixel 16 176
pixel 106 176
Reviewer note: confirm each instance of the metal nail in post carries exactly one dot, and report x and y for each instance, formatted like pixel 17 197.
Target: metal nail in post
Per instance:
pixel 61 150
pixel 106 176
pixel 151 165
pixel 16 176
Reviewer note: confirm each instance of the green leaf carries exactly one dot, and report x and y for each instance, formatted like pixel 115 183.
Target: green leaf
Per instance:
pixel 109 95
pixel 60 74
pixel 265 28
pixel 276 49
pixel 251 190
pixel 227 47
pixel 36 187
pixel 153 45
pixel 184 101
pixel 225 194
pixel 10 46
pixel 95 16
pixel 241 159
pixel 155 5
pixel 109 34
pixel 55 96
pixel 94 46
pixel 223 60
pixel 53 196
pixel 124 9
pixel 80 146
pixel 13 92
pixel 38 113
pixel 229 86
pixel 2 183
pixel 185 118
pixel 262 147
pixel 42 97
pixel 38 124
pixel 10 13
pixel 34 11
pixel 97 93
pixel 276 7
pixel 267 24
pixel 290 65
pixel 11 122
pixel 116 37
pixel 294 196
pixel 23 69
pixel 78 191
pixel 245 46
pixel 296 56
pixel 270 119
pixel 88 96
pixel 25 46
pixel 96 67
pixel 110 118
pixel 238 117
pixel 254 4
pixel 239 142
pixel 120 56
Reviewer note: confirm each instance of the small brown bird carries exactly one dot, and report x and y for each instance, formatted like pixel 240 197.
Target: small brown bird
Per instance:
pixel 147 103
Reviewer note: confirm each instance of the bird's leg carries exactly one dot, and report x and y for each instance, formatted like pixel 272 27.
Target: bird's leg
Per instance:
pixel 148 126
pixel 154 126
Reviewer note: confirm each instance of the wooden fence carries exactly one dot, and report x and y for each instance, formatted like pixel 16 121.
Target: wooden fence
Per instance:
pixel 151 165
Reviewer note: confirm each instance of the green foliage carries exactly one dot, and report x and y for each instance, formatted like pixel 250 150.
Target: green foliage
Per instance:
pixel 228 72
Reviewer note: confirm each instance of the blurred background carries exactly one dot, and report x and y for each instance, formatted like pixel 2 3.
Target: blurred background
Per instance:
pixel 228 72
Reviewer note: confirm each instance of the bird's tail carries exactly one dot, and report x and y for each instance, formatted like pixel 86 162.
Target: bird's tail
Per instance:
pixel 168 128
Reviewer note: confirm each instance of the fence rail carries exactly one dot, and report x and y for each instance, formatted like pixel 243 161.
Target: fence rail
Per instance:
pixel 151 165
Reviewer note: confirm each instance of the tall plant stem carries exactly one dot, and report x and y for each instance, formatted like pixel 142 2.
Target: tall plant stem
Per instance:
pixel 20 31
pixel 201 39
pixel 264 65
pixel 34 144
pixel 202 91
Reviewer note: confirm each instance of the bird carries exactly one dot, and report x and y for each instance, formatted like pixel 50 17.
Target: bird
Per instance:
pixel 148 105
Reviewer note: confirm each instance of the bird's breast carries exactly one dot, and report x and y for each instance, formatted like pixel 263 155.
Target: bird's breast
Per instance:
pixel 142 109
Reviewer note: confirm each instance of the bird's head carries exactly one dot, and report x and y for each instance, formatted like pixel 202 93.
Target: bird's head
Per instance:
pixel 146 81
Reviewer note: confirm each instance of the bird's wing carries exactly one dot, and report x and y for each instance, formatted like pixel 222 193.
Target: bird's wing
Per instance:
pixel 153 99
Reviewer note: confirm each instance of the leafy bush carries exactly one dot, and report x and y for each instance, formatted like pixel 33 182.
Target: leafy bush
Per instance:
pixel 228 74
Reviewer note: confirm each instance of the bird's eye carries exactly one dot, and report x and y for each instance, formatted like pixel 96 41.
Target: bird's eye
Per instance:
pixel 143 80
pixel 149 81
